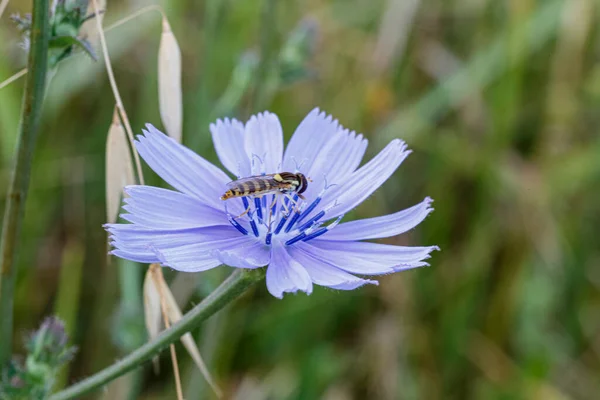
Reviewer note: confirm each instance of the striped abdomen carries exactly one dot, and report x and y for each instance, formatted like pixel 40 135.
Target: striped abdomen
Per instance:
pixel 254 186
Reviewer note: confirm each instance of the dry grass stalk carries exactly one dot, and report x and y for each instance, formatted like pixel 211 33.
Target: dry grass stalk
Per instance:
pixel 134 15
pixel 88 29
pixel 115 90
pixel 152 314
pixel 157 277
pixel 155 289
pixel 13 78
pixel 119 167
pixel 169 82
pixel 3 5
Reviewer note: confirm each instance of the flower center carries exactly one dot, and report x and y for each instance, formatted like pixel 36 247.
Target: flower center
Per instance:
pixel 284 215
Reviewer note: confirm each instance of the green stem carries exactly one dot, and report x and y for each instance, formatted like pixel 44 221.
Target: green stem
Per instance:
pixel 33 97
pixel 230 289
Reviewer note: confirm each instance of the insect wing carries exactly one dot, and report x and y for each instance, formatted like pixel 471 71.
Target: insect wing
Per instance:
pixel 240 182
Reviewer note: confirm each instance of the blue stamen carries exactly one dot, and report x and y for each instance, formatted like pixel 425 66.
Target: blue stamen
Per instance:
pixel 311 221
pixel 280 224
pixel 254 227
pixel 315 234
pixel 310 208
pixel 247 208
pixel 296 239
pixel 268 238
pixel 264 202
pixel 258 208
pixel 237 226
pixel 246 204
pixel 292 222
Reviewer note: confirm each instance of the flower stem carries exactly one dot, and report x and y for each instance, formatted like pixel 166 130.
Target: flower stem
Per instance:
pixel 230 289
pixel 33 97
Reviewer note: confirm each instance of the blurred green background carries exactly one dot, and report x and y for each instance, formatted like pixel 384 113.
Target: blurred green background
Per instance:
pixel 499 101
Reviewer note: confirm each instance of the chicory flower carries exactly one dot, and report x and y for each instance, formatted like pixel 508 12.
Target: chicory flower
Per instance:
pixel 301 240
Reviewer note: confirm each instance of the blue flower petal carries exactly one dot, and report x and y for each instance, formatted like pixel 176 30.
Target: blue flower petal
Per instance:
pixel 308 140
pixel 198 256
pixel 337 160
pixel 157 208
pixel 368 258
pixel 385 253
pixel 228 136
pixel 180 167
pixel 349 155
pixel 263 140
pixel 286 275
pixel 252 254
pixel 384 226
pixel 137 243
pixel 146 258
pixel 344 261
pixel 199 263
pixel 325 274
pixel 362 183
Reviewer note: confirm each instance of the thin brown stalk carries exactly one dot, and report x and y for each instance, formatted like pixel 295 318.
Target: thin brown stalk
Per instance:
pixel 136 14
pixel 3 5
pixel 14 77
pixel 113 85
pixel 163 306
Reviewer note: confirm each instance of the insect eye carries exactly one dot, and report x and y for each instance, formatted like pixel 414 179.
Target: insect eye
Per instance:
pixel 303 184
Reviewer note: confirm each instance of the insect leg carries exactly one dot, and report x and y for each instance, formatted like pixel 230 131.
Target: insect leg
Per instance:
pixel 285 206
pixel 271 208
pixel 291 198
pixel 274 203
pixel 244 213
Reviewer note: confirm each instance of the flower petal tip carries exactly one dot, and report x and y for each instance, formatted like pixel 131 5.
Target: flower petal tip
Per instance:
pixel 315 111
pixel 368 282
pixel 150 128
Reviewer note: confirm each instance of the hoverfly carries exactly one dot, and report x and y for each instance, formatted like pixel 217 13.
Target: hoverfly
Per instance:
pixel 282 183
pixel 260 185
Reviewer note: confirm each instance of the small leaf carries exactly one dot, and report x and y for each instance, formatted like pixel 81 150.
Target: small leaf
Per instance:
pixel 154 287
pixel 119 168
pixel 66 41
pixel 87 47
pixel 169 82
